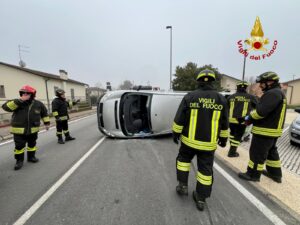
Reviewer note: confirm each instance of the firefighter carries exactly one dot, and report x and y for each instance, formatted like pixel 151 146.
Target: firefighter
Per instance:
pixel 60 111
pixel 201 122
pixel 27 113
pixel 268 120
pixel 239 105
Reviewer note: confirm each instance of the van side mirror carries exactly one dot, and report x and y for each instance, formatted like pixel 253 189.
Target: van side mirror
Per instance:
pixel 297 110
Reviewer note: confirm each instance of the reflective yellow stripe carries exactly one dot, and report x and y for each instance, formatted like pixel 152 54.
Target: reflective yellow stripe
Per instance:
pixel 203 179
pixel 70 104
pixel 255 115
pixel 215 125
pixel 251 164
pixel 260 167
pixel 17 130
pixel 18 152
pixel 245 109
pixel 177 128
pixel 58 132
pixel 183 166
pixel 12 105
pixel 55 113
pixel 204 74
pixel 267 131
pixel 33 149
pixel 46 119
pixel 282 115
pixel 205 146
pixel 63 118
pixel 271 163
pixel 66 131
pixel 224 133
pixel 34 129
pixel 193 124
pixel 231 111
pixel 233 120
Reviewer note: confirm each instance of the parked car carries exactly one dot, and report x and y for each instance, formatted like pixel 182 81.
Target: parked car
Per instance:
pixel 131 114
pixel 294 130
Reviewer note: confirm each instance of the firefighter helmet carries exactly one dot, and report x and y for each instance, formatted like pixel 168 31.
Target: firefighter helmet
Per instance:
pixel 267 76
pixel 59 92
pixel 206 75
pixel 27 89
pixel 242 84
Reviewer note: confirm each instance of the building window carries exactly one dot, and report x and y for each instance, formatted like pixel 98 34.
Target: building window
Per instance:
pixel 72 94
pixel 2 91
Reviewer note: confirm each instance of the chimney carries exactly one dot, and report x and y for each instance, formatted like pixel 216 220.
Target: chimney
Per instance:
pixel 63 75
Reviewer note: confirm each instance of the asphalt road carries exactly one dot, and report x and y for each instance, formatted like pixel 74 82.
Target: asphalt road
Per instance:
pixel 124 182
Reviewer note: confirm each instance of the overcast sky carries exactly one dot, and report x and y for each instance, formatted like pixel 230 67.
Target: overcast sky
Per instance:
pixel 116 40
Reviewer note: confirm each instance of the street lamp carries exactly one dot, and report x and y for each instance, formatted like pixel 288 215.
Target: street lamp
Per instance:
pixel 170 27
pixel 244 66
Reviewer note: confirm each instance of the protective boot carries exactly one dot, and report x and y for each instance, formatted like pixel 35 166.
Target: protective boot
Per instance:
pixel 68 137
pixel 248 177
pixel 200 202
pixel 20 160
pixel 19 164
pixel 31 157
pixel 182 189
pixel 60 139
pixel 274 178
pixel 232 152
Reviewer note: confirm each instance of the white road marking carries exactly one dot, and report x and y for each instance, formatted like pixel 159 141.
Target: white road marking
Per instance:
pixel 259 205
pixel 51 128
pixel 47 195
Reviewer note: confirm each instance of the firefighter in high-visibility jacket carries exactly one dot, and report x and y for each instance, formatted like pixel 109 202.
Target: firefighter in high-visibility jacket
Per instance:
pixel 60 111
pixel 240 104
pixel 25 123
pixel 201 122
pixel 268 121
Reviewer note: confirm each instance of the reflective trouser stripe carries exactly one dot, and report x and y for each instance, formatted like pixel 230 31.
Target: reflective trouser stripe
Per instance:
pixel 59 133
pixel 260 167
pixel 203 179
pixel 33 149
pixel 66 131
pixel 183 166
pixel 275 164
pixel 18 152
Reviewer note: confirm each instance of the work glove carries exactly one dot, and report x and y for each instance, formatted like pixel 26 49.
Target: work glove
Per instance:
pixel 176 137
pixel 222 142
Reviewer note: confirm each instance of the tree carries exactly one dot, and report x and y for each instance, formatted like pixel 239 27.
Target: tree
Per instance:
pixel 186 77
pixel 126 85
pixel 99 85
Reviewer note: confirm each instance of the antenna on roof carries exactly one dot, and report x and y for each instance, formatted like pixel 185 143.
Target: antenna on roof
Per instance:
pixel 22 48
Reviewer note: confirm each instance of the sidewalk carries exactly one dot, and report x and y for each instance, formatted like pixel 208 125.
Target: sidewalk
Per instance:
pixel 288 192
pixel 5 134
